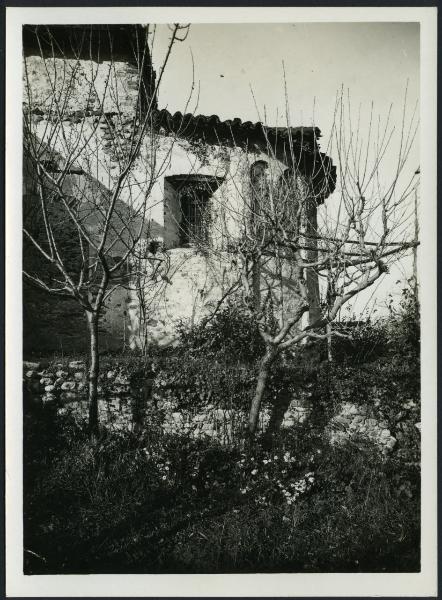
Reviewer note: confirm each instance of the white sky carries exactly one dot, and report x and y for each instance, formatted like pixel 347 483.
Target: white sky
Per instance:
pixel 373 60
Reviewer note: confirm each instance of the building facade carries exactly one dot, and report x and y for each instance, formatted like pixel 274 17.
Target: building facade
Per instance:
pixel 194 176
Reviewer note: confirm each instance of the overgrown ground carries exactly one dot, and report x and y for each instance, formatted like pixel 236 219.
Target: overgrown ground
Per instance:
pixel 162 503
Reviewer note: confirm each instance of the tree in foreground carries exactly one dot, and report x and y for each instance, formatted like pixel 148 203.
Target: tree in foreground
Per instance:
pixel 90 162
pixel 299 265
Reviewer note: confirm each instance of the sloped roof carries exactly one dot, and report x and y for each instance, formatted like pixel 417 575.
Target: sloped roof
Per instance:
pixel 214 130
pixel 120 40
pixel 291 143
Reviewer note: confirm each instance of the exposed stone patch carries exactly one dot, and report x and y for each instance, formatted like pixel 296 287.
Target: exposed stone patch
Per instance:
pixel 298 412
pixel 353 421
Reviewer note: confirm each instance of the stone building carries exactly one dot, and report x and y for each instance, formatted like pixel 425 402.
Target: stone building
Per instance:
pixel 198 194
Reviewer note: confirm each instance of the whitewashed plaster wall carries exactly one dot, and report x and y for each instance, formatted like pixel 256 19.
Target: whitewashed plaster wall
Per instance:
pixel 196 282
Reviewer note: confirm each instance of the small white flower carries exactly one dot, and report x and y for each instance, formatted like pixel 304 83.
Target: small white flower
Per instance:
pixel 255 471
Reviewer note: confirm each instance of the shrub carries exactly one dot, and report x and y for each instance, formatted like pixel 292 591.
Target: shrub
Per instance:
pixel 231 334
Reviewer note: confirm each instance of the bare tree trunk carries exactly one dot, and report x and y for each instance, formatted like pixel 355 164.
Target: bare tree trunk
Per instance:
pixel 328 329
pixel 92 321
pixel 256 284
pixel 311 229
pixel 261 383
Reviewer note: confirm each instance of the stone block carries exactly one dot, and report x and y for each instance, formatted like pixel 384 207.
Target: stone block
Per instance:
pixel 48 397
pixel 68 386
pixel 77 365
pixel 391 443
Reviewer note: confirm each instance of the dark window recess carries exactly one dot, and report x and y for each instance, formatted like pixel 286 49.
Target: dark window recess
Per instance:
pixel 190 208
pixel 258 180
pixel 194 226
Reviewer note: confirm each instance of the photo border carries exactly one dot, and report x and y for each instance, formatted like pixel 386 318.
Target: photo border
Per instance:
pixel 256 585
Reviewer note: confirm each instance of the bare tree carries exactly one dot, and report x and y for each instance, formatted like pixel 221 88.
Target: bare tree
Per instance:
pixel 298 256
pixel 91 160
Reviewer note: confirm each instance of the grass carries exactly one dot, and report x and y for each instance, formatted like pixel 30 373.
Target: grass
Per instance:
pixel 159 503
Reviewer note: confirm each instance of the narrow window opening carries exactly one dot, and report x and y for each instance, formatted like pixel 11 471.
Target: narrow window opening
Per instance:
pixel 194 215
pixel 188 209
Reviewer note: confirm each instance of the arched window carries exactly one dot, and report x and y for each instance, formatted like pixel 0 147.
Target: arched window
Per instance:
pixel 259 187
pixel 258 177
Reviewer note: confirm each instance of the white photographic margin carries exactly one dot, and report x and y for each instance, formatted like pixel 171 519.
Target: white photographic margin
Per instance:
pixel 318 584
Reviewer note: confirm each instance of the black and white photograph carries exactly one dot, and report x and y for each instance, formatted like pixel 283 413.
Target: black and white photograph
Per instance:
pixel 223 238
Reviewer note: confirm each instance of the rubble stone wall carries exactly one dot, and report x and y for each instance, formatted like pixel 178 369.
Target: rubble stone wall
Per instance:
pixel 64 383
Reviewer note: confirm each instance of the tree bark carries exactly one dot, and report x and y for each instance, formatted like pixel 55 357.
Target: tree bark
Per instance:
pixel 92 320
pixel 256 284
pixel 311 255
pixel 261 383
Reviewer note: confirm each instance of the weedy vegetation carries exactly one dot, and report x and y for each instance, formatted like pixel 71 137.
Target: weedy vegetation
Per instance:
pixel 156 502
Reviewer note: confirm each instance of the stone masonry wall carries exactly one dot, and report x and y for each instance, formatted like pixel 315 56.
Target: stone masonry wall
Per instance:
pixel 64 383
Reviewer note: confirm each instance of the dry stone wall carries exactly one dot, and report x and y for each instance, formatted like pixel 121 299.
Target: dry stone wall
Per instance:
pixel 122 407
